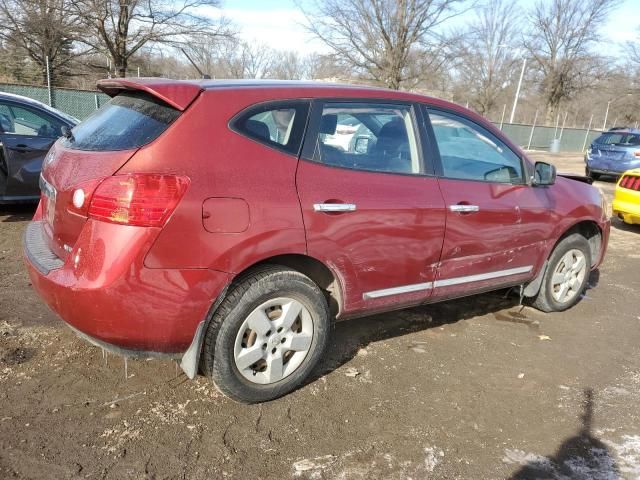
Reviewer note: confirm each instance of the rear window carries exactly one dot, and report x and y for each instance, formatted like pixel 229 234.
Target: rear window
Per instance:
pixel 127 121
pixel 619 139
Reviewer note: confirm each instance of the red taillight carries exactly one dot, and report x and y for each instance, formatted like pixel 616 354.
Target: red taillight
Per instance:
pixel 630 182
pixel 636 153
pixel 623 181
pixel 138 199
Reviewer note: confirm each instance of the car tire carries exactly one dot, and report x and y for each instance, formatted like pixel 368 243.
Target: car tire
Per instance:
pixel 254 349
pixel 567 275
pixel 592 175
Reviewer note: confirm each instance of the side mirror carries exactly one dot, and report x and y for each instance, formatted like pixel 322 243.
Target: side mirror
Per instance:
pixel 544 174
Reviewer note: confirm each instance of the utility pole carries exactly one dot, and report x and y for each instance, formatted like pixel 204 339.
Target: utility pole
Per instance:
pixel 515 100
pixel 606 115
pixel 518 51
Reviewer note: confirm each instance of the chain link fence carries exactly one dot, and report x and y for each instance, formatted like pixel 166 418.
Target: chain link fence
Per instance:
pixel 536 137
pixel 81 103
pixel 77 103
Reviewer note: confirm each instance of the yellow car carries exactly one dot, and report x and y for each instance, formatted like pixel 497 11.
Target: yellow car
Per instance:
pixel 626 203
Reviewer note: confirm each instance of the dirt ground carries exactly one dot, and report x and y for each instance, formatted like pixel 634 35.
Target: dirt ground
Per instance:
pixel 467 389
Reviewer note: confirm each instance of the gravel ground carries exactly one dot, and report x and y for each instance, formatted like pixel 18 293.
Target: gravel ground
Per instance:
pixel 470 389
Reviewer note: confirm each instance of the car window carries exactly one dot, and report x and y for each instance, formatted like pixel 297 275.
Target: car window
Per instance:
pixel 19 120
pixel 128 120
pixel 469 152
pixel 619 139
pixel 365 136
pixel 280 125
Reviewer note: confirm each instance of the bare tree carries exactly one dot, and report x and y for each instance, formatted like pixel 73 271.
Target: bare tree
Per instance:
pixel 634 51
pixel 246 60
pixel 287 65
pixel 44 31
pixel 560 40
pixel 120 28
pixel 484 54
pixel 229 58
pixel 379 37
pixel 326 67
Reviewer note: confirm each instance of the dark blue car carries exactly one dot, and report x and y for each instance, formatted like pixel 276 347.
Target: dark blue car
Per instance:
pixel 28 128
pixel 613 153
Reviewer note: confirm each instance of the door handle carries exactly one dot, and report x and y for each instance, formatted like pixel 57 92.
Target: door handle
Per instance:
pixel 463 208
pixel 334 207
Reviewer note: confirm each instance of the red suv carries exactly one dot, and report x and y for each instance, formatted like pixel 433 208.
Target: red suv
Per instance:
pixel 226 223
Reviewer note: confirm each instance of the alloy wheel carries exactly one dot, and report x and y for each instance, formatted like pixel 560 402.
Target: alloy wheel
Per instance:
pixel 568 276
pixel 273 340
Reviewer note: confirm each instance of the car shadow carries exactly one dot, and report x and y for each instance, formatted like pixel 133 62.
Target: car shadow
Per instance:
pixel 594 279
pixel 608 178
pixel 349 336
pixel 580 456
pixel 624 227
pixel 17 213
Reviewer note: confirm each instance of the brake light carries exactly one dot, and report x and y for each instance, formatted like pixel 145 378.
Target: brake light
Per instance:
pixel 636 153
pixel 138 199
pixel 630 182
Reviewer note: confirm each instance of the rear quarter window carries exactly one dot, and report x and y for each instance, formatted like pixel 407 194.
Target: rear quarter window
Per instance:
pixel 129 120
pixel 276 124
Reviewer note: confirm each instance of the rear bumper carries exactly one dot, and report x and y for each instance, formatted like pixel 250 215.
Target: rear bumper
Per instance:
pixel 18 199
pixel 628 212
pixel 626 205
pixel 104 291
pixel 607 167
pixel 602 171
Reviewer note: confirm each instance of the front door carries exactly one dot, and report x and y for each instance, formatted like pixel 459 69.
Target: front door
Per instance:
pixel 370 212
pixel 483 183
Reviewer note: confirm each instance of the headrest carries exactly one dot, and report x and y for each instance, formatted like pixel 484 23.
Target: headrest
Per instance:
pixel 258 128
pixel 328 124
pixel 393 129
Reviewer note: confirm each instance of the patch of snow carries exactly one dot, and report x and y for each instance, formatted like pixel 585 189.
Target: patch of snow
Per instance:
pixel 628 455
pixel 432 458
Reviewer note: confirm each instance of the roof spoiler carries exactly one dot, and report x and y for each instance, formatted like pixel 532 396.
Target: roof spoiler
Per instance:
pixel 173 92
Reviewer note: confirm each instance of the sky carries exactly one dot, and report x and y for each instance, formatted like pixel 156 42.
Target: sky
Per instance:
pixel 278 23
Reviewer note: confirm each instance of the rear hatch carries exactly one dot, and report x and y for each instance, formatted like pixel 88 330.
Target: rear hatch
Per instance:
pixel 616 146
pixel 99 146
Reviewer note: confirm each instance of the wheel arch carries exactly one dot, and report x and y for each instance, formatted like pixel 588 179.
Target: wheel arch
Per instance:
pixel 590 230
pixel 317 271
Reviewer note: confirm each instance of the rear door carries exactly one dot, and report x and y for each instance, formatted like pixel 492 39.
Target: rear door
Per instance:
pixel 26 135
pixel 372 211
pixel 483 183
